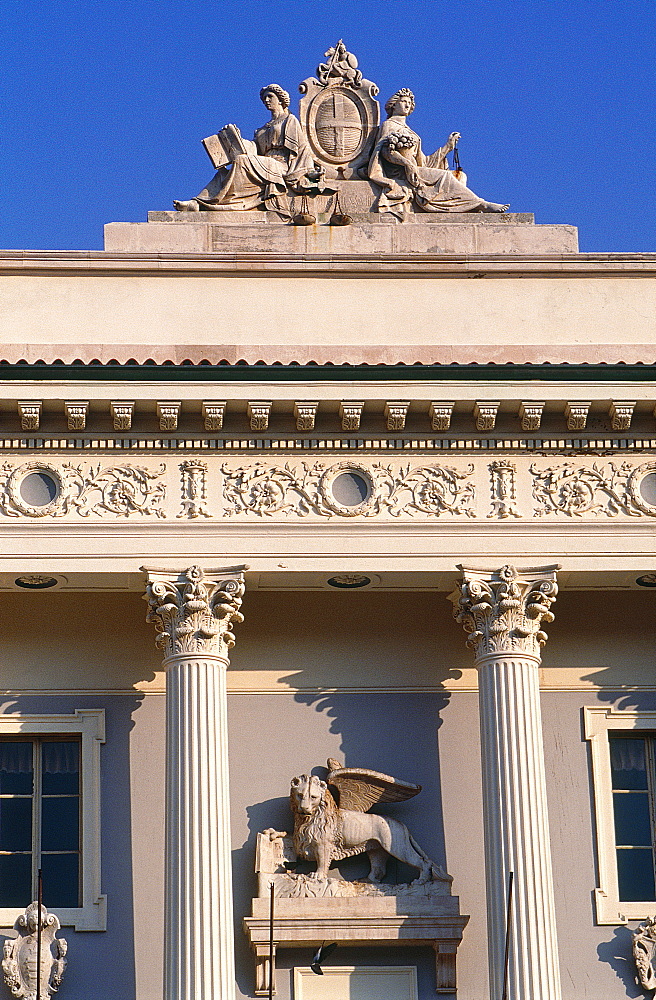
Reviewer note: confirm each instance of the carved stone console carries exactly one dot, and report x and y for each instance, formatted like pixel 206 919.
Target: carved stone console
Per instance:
pixel 308 912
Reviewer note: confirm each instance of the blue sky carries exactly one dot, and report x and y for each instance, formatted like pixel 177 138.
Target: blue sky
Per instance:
pixel 104 103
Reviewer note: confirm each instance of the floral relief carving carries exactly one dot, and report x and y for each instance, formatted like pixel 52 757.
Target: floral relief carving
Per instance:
pixel 609 490
pixel 266 491
pixel 504 611
pixel 119 489
pixel 194 613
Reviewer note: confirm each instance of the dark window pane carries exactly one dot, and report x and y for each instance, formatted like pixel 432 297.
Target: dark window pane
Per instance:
pixel 15 768
pixel 60 767
pixel 60 824
pixel 61 880
pixel 627 760
pixel 15 880
pixel 15 824
pixel 632 824
pixel 635 873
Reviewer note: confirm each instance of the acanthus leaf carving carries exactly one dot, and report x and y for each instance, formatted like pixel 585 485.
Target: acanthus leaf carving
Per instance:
pixel 119 489
pixel 266 491
pixel 577 490
pixel 504 611
pixel 193 612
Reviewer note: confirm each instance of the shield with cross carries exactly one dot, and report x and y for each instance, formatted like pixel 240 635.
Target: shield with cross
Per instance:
pixel 340 117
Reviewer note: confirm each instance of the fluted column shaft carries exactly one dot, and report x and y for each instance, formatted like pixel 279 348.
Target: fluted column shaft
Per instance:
pixel 193 612
pixel 504 612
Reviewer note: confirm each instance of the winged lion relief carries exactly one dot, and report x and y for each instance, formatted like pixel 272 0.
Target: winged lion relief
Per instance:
pixel 332 825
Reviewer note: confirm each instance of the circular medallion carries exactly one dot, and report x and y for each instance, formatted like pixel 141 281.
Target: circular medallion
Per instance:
pixel 338 124
pixel 35 489
pixel 348 489
pixel 642 488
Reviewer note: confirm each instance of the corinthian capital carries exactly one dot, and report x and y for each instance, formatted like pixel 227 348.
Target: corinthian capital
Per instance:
pixel 504 610
pixel 194 611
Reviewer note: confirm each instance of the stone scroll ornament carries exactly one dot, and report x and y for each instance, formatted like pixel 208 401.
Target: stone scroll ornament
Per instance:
pixel 195 615
pixel 19 956
pixel 598 489
pixel 644 953
pixel 267 491
pixel 506 613
pixel 122 490
pixel 325 832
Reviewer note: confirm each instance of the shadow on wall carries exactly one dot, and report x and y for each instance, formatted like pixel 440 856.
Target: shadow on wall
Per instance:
pixel 619 955
pixel 92 956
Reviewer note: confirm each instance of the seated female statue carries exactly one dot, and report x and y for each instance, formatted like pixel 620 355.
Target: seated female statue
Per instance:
pixel 403 174
pixel 277 161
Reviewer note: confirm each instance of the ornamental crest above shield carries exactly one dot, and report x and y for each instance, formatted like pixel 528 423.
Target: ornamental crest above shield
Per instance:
pixel 339 113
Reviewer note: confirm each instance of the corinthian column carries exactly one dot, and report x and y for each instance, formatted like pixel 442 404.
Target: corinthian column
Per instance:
pixel 194 612
pixel 504 613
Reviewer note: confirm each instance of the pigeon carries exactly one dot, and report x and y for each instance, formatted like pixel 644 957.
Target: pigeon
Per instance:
pixel 322 953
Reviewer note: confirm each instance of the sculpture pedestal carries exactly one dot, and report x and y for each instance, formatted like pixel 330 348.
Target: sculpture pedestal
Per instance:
pixel 422 919
pixel 308 912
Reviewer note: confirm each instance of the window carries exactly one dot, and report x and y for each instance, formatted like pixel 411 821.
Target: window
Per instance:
pixel 49 815
pixel 623 746
pixel 40 820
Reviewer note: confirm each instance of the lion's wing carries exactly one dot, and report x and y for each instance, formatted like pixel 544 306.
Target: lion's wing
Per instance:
pixel 360 789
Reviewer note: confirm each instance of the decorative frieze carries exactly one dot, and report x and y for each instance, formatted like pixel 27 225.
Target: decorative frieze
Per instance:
pixel 30 415
pixel 168 414
pixel 530 415
pixel 121 413
pixel 597 489
pixel 40 489
pixel 305 415
pixel 504 611
pixel 395 414
pixel 213 414
pixel 76 415
pixel 440 415
pixel 350 414
pixel 576 415
pixel 502 479
pixel 258 415
pixel 348 489
pixel 485 415
pixel 193 476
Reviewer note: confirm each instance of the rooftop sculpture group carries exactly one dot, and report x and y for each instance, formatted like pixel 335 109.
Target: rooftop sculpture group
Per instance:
pixel 337 140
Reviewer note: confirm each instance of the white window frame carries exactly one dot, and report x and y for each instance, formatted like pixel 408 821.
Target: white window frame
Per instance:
pixel 343 973
pixel 89 725
pixel 598 723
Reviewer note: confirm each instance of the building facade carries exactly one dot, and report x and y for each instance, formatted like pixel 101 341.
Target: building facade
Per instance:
pixel 359 439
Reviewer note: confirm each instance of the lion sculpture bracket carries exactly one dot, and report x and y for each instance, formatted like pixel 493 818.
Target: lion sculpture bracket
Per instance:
pixel 325 832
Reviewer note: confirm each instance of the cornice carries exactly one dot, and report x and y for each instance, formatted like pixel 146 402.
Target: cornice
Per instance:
pixel 102 262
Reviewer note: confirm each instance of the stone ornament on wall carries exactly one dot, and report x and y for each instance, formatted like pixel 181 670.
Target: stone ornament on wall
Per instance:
pixel 192 612
pixel 644 953
pixel 504 611
pixel 611 489
pixel 347 489
pixel 503 489
pixel 19 956
pixel 194 489
pixel 41 489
